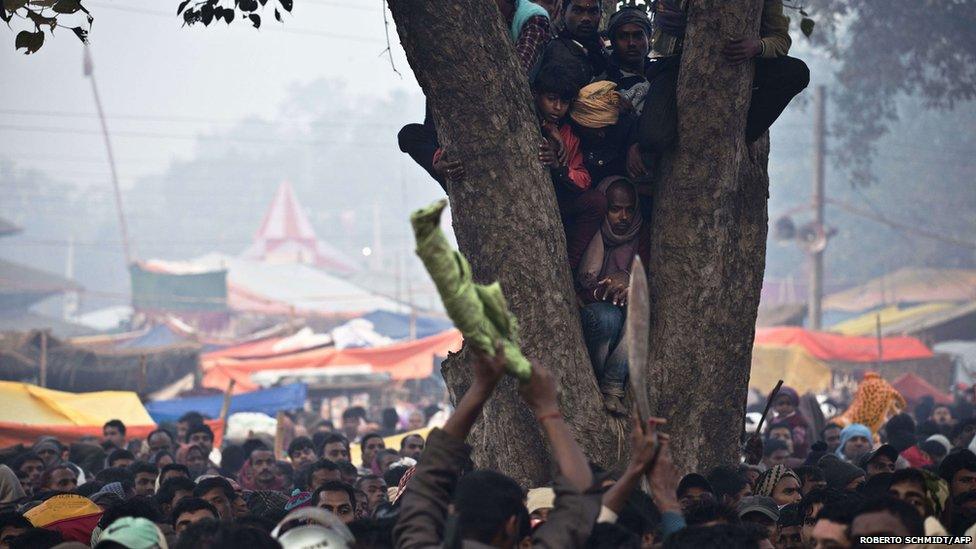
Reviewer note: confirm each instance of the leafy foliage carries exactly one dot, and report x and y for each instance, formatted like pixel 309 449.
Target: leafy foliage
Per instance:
pixel 884 50
pixel 44 13
pixel 209 11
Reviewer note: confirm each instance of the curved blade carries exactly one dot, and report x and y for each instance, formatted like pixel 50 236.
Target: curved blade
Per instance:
pixel 638 329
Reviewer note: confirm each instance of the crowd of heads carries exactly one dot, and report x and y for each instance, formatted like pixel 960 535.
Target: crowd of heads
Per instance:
pixel 166 487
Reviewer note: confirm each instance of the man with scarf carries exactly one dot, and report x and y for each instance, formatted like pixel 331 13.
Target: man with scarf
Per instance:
pixel 603 278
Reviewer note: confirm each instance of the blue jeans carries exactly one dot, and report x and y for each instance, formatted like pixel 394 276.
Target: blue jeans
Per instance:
pixel 603 330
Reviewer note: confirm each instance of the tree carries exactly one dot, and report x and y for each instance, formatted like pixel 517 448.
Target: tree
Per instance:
pixel 885 50
pixel 708 246
pixel 506 223
pixel 707 267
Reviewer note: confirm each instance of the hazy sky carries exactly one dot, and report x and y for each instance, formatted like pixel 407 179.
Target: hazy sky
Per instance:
pixel 162 83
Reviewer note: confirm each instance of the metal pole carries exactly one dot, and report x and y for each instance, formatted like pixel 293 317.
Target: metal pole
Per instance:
pixel 816 267
pixel 43 360
pixel 123 227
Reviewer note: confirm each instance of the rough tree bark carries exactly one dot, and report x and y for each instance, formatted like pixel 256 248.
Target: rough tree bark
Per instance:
pixel 708 248
pixel 507 224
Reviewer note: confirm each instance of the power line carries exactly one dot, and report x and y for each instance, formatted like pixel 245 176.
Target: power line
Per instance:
pixel 160 135
pixel 192 119
pixel 902 226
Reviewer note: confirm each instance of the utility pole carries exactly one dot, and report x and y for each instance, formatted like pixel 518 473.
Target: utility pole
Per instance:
pixel 816 256
pixel 123 228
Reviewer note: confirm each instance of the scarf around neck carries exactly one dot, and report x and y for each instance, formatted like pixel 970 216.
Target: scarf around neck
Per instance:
pixel 608 252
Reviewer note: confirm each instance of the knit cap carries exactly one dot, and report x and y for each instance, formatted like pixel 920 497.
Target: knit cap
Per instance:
pixel 838 473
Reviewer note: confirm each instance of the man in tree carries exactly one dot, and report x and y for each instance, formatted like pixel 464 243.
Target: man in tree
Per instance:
pixel 581 207
pixel 629 31
pixel 530 32
pixel 605 129
pixel 778 77
pixel 603 277
pixel 577 44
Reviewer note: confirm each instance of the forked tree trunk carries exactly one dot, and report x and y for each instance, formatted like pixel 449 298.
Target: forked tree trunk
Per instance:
pixel 507 224
pixel 709 244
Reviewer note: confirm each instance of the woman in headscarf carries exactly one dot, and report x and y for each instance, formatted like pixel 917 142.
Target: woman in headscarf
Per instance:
pixel 785 410
pixel 603 277
pixel 779 483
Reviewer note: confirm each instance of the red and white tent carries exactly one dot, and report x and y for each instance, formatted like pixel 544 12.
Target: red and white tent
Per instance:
pixel 286 236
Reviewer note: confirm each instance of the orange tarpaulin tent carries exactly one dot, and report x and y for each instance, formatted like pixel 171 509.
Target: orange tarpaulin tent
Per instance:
pixel 835 347
pixel 404 360
pixel 12 433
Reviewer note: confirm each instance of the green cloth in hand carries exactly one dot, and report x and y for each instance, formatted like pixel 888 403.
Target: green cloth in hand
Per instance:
pixel 478 311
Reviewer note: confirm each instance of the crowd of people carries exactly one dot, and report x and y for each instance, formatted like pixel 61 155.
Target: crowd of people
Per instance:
pixel 607 110
pixel 793 487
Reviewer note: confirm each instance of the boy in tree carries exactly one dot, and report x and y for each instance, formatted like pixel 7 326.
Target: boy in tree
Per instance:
pixel 581 207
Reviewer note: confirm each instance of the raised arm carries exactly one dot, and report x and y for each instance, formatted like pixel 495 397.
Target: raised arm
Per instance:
pixel 540 394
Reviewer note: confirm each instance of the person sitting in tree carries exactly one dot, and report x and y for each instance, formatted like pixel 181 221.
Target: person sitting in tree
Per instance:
pixel 603 278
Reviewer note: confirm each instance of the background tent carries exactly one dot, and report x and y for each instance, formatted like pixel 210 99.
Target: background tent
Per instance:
pixel 867 324
pixel 794 365
pixel 963 354
pixel 909 285
pixel 256 287
pixel 287 236
pixel 30 404
pixel 397 325
pixel 404 360
pixel 913 388
pixel 834 347
pixel 266 401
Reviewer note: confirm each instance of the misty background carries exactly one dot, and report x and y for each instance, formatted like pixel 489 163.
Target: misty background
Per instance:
pixel 207 122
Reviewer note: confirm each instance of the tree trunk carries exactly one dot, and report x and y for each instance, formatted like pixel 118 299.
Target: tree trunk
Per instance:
pixel 507 225
pixel 708 247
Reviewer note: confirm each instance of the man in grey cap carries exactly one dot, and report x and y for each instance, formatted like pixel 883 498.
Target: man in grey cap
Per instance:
pixel 880 460
pixel 761 510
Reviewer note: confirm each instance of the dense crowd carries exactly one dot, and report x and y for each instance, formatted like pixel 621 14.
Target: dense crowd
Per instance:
pixel 913 476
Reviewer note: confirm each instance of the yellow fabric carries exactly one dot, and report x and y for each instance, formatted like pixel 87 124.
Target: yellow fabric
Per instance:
pixel 61 507
pixel 866 324
pixel 391 442
pixel 597 105
pixel 33 405
pixel 874 403
pixel 793 364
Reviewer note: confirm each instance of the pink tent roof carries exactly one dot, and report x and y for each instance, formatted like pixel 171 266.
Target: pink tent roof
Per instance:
pixel 913 388
pixel 287 236
pixel 827 346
